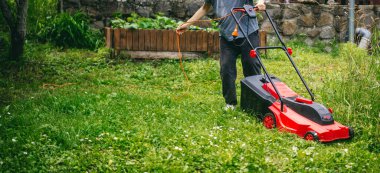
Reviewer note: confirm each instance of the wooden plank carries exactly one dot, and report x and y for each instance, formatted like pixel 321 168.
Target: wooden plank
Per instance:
pixel 193 40
pixel 210 41
pixel 123 39
pixel 147 40
pixel 141 41
pixel 188 40
pixel 108 34
pixel 129 39
pixel 263 38
pixel 263 41
pixel 159 40
pixel 172 44
pixel 135 40
pixel 199 40
pixel 165 40
pixel 176 39
pixel 117 38
pixel 182 41
pixel 204 41
pixel 153 40
pixel 216 42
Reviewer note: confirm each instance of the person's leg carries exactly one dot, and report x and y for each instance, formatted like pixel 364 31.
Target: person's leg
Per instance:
pixel 228 54
pixel 251 66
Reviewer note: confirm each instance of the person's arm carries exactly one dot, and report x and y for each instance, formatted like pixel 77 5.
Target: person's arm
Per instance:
pixel 197 15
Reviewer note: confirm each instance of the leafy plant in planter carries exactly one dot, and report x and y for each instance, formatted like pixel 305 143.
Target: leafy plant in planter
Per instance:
pixel 159 22
pixel 137 22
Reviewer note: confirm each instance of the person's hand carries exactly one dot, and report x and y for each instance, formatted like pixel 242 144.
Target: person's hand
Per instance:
pixel 182 28
pixel 260 6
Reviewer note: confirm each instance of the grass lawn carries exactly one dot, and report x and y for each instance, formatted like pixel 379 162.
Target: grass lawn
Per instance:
pixel 70 111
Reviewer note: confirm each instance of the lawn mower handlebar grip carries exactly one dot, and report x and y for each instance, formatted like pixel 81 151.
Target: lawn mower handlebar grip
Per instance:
pixel 238 10
pixel 243 10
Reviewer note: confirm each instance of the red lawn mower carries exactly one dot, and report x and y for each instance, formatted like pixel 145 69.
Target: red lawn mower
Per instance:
pixel 280 107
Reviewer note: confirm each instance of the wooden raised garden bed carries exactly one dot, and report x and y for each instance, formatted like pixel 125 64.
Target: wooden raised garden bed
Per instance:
pixel 165 40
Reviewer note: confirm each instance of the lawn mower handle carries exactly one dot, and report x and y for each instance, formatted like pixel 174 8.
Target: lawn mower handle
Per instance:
pixel 283 47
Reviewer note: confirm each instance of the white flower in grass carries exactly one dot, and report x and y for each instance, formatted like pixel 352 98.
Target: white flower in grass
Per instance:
pixel 345 150
pixel 178 148
pixel 217 128
pixel 14 140
pixel 33 143
pixel 295 149
pixel 267 159
pixel 115 138
pixel 25 153
pixel 309 151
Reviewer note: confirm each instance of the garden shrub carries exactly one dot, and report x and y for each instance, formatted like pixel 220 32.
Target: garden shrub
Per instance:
pixel 38 12
pixel 70 30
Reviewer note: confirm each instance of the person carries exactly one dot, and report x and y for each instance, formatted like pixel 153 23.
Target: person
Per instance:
pixel 230 46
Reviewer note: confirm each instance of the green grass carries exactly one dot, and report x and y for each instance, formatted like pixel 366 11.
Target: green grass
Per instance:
pixel 143 116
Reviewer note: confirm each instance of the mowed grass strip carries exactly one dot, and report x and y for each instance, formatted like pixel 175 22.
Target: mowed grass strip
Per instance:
pixel 143 116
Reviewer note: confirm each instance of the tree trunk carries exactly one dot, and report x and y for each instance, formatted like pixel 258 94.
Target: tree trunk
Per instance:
pixel 17 45
pixel 17 26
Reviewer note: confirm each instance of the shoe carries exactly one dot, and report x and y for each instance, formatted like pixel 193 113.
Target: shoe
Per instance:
pixel 229 107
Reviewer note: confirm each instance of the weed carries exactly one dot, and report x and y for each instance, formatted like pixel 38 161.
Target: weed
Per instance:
pixel 70 30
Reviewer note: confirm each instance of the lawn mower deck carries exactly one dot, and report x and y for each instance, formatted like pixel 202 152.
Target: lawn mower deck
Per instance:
pixel 307 119
pixel 279 106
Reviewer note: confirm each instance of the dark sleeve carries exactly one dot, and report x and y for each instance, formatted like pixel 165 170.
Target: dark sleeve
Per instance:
pixel 208 1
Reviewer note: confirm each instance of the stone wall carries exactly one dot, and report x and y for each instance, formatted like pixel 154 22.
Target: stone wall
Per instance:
pixel 102 8
pixel 314 21
pixel 319 22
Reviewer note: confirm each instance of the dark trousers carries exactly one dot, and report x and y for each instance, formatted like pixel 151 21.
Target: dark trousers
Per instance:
pixel 229 51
